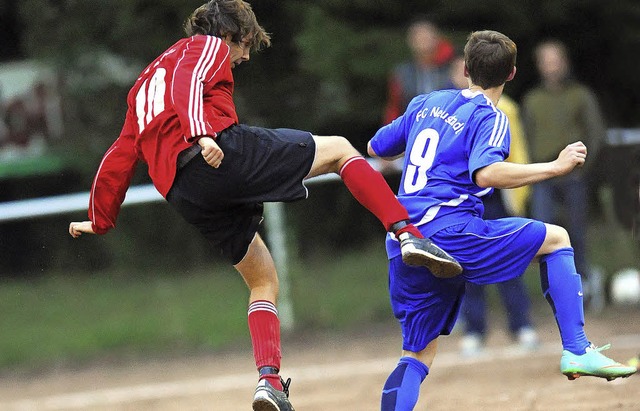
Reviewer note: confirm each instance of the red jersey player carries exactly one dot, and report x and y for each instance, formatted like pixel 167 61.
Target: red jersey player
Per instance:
pixel 181 121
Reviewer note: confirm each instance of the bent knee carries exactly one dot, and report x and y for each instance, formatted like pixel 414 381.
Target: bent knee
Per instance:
pixel 557 237
pixel 339 146
pixel 331 153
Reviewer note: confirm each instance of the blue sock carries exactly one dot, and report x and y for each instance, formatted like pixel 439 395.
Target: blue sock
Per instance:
pixel 401 391
pixel 562 287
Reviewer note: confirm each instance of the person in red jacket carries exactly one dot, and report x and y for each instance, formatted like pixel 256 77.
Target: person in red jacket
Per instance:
pixel 426 71
pixel 181 121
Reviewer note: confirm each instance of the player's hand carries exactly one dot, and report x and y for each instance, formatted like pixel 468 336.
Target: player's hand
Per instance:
pixel 574 155
pixel 211 152
pixel 77 228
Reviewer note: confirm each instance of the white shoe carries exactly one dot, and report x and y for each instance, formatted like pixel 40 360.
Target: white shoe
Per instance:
pixel 528 338
pixel 471 345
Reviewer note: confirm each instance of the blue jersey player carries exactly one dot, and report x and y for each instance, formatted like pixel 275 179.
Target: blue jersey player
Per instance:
pixel 455 143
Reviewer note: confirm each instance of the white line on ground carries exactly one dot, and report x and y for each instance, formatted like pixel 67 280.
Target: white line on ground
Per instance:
pixel 123 395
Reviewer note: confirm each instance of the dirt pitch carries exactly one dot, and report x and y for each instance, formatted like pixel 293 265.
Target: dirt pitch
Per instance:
pixel 345 373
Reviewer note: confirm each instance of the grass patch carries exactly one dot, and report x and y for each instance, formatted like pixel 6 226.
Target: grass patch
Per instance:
pixel 610 246
pixel 342 291
pixel 64 319
pixel 61 319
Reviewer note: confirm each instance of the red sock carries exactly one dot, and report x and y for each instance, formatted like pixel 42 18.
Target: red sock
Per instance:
pixel 264 327
pixel 409 228
pixel 371 190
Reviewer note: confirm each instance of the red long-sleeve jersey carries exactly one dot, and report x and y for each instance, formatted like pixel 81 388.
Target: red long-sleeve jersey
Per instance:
pixel 184 94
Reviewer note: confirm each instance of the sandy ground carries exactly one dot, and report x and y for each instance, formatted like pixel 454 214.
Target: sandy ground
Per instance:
pixel 340 372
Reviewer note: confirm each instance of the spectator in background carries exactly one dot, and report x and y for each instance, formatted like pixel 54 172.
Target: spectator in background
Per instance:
pixel 427 71
pixel 503 203
pixel 556 112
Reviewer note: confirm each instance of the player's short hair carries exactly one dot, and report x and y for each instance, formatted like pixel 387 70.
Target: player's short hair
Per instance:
pixel 423 21
pixel 490 57
pixel 221 18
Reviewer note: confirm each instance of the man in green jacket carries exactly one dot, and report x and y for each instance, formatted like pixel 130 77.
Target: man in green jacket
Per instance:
pixel 561 110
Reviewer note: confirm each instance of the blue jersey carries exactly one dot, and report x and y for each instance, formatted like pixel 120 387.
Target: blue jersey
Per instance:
pixel 446 136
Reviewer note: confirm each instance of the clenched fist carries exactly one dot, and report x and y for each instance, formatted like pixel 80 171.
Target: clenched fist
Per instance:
pixel 574 155
pixel 77 228
pixel 211 152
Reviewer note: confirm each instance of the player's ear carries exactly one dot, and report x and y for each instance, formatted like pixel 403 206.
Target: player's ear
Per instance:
pixel 512 75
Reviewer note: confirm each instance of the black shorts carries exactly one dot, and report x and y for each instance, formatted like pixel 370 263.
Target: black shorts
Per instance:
pixel 225 203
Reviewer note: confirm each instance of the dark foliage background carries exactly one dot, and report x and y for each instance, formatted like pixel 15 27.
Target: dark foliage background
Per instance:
pixel 326 73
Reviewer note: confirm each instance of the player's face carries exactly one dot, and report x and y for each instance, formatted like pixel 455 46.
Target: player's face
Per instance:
pixel 423 39
pixel 239 52
pixel 551 64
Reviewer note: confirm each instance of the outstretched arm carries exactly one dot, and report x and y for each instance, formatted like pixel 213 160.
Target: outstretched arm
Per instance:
pixel 511 175
pixel 110 183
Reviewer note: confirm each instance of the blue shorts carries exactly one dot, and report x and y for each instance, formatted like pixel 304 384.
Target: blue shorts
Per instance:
pixel 490 251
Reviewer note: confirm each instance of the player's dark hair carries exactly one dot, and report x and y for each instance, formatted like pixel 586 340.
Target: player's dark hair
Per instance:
pixel 424 19
pixel 223 18
pixel 490 57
